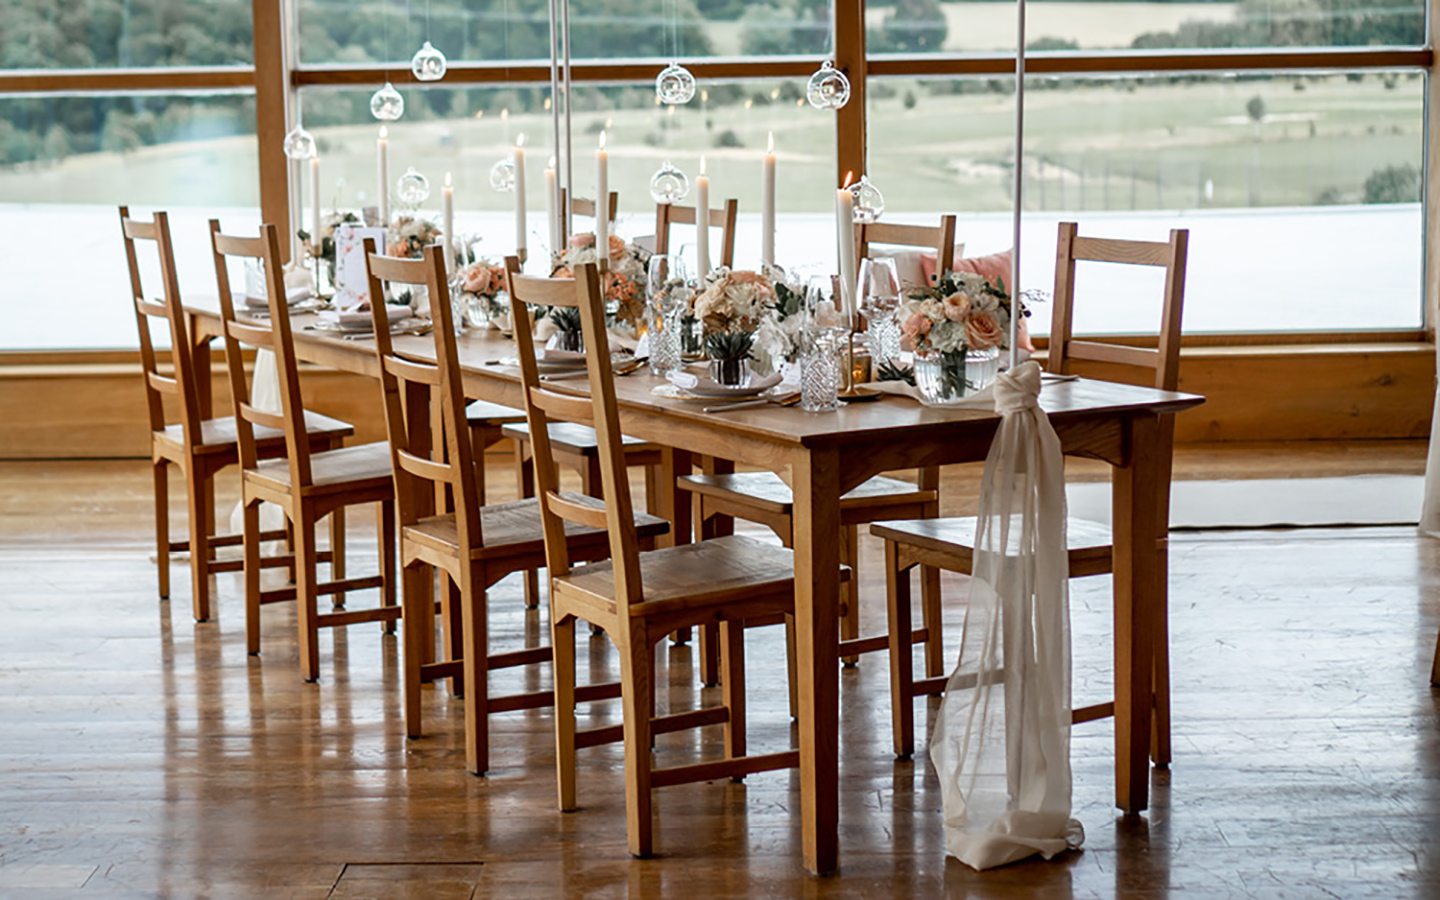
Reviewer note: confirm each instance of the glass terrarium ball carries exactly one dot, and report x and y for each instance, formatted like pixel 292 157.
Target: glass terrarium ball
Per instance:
pixel 869 203
pixel 669 185
pixel 675 85
pixel 299 143
pixel 412 188
pixel 428 64
pixel 502 176
pixel 828 88
pixel 386 104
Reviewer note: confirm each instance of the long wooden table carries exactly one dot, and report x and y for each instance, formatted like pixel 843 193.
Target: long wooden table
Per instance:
pixel 827 454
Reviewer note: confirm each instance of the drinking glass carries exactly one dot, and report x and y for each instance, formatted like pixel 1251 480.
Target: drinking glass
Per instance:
pixel 879 298
pixel 668 294
pixel 825 332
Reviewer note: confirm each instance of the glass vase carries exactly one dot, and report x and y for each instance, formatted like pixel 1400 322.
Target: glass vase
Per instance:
pixel 730 372
pixel 946 378
pixel 573 341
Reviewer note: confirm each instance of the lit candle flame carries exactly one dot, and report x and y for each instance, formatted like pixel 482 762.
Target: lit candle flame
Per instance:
pixel 770 143
pixel 505 113
pixel 520 141
pixel 775 94
pixel 704 96
pixel 702 165
pixel 384 132
pixel 849 177
pixel 552 162
pixel 749 102
pixel 547 104
pixel 447 179
pixel 602 140
pixel 479 113
pixel 608 123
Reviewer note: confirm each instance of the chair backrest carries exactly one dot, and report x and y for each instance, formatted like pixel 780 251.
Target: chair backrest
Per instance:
pixel 408 384
pixel 599 410
pixel 1065 349
pixel 667 214
pixel 940 237
pixel 276 337
pixel 580 206
pixel 181 384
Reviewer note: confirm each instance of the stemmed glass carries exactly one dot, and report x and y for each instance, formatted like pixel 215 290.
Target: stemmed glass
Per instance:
pixel 668 293
pixel 879 298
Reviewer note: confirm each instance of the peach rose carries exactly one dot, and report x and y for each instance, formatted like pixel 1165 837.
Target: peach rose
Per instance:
pixel 957 307
pixel 582 240
pixel 401 248
pixel 478 279
pixel 982 331
pixel 917 325
pixel 617 248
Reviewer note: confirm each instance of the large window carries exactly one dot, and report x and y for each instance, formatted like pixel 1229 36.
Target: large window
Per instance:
pixel 63 34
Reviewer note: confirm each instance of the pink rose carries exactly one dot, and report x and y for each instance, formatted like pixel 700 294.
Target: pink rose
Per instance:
pixel 617 248
pixel 957 307
pixel 917 325
pixel 478 279
pixel 982 331
pixel 582 240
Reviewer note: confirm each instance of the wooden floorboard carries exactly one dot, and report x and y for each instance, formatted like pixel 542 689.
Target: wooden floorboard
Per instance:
pixel 142 755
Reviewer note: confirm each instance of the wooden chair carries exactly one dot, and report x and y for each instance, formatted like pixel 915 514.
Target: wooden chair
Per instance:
pixel 764 498
pixel 198 446
pixel 306 484
pixel 941 237
pixel 637 597
pixel 473 545
pixel 668 214
pixel 581 206
pixel 948 543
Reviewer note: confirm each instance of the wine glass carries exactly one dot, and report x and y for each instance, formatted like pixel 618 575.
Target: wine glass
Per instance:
pixel 668 293
pixel 879 298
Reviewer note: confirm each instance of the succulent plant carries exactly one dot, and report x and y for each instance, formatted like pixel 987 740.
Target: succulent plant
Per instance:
pixel 729 344
pixel 889 370
pixel 566 318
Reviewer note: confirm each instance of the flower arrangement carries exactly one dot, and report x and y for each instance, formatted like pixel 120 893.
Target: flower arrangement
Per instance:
pixel 733 300
pixel 777 339
pixel 480 285
pixel 962 313
pixel 624 280
pixel 326 245
pixel 408 236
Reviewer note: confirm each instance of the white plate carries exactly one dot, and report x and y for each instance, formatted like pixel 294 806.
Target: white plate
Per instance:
pixel 675 392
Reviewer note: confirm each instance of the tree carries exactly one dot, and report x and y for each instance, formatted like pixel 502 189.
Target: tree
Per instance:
pixel 1393 184
pixel 913 26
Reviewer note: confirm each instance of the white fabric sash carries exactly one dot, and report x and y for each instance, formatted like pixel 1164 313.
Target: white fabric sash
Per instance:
pixel 1002 736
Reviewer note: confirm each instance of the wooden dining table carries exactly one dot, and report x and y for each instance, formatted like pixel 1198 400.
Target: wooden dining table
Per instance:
pixel 823 455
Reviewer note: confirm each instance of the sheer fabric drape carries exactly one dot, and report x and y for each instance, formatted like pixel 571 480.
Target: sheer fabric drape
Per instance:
pixel 1002 736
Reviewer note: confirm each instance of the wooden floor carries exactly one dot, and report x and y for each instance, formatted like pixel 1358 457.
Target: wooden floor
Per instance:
pixel 142 755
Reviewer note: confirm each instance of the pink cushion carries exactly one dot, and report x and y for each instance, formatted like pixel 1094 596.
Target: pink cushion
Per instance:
pixel 995 267
pixel 929 259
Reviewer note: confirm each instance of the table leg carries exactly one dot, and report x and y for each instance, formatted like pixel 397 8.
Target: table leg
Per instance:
pixel 674 503
pixel 817 601
pixel 1136 577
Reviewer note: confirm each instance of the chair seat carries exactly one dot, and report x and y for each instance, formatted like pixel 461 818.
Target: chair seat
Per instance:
pixel 359 468
pixel 483 412
pixel 1087 543
pixel 711 573
pixel 567 437
pixel 767 491
pixel 219 435
pixel 515 528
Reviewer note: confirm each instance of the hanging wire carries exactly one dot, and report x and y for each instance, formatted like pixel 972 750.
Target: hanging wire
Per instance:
pixel 427 21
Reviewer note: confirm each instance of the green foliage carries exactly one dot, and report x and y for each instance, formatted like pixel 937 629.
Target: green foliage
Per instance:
pixel 729 344
pixel 1052 43
pixel 1255 108
pixel 786 27
pixel 565 318
pixel 890 370
pixel 1393 184
pixel 728 138
pixel 913 26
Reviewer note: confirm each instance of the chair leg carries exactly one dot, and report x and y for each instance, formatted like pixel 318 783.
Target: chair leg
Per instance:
pixel 337 553
pixel 709 654
pixel 637 686
pixel 160 469
pixel 452 619
pixel 792 668
pixel 476 666
pixel 417 636
pixel 732 660
pixel 197 491
pixel 386 540
pixel 251 540
pixel 902 676
pixel 525 487
pixel 850 591
pixel 562 643
pixel 306 595
pixel 930 613
pixel 1435 664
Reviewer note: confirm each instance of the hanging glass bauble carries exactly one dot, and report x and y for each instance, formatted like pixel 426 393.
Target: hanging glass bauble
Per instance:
pixel 868 204
pixel 502 176
pixel 299 143
pixel 828 88
pixel 669 184
pixel 428 64
pixel 674 86
pixel 386 104
pixel 412 188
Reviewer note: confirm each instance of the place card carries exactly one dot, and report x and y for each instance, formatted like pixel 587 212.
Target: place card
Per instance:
pixel 352 284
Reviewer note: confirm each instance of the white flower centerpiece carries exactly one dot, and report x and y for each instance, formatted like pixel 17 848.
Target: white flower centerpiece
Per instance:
pixel 957 328
pixel 730 307
pixel 624 278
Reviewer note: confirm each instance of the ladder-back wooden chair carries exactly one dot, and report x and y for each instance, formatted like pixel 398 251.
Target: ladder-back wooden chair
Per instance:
pixel 949 543
pixel 474 545
pixel 668 214
pixel 763 497
pixel 198 446
pixel 941 238
pixel 307 485
pixel 637 597
pixel 582 206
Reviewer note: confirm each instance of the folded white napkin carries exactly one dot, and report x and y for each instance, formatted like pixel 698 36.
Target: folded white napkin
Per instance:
pixel 552 355
pixel 293 296
pixel 705 387
pixel 360 319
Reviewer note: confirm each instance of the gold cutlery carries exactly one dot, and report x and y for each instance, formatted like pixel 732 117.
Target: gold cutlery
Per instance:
pixel 789 399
